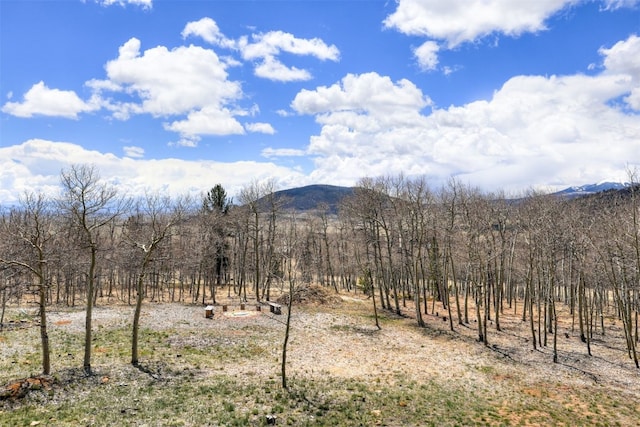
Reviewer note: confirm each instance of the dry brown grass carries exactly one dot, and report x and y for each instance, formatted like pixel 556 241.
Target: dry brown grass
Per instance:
pixel 343 370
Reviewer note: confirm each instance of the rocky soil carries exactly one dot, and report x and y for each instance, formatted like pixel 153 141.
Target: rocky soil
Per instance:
pixel 335 336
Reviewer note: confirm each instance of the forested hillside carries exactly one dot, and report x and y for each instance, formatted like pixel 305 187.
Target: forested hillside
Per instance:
pixel 314 197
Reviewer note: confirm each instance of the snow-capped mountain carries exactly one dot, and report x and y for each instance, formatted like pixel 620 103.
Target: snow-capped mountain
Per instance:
pixel 585 190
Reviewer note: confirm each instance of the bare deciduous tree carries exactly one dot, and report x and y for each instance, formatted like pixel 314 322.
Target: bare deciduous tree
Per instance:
pixel 32 232
pixel 90 205
pixel 147 229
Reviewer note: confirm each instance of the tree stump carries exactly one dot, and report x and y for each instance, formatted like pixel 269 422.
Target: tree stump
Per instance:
pixel 208 312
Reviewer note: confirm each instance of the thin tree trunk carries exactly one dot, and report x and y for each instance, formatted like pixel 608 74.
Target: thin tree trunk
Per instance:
pixel 555 332
pixel 4 307
pixel 44 336
pixel 89 313
pixel 286 337
pixel 136 319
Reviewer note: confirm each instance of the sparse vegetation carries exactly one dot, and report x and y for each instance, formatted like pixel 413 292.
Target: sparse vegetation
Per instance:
pixel 410 307
pixel 344 371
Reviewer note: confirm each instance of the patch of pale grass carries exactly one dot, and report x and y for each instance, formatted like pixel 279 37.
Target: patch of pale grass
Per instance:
pixel 341 371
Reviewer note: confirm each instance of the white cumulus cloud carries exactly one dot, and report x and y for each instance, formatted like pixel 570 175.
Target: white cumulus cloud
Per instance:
pixel 623 59
pixel 208 30
pixel 170 82
pixel 427 55
pixel 265 128
pixel 207 121
pixel 265 49
pixel 459 21
pixel 448 24
pixel 532 128
pixel 188 86
pixel 35 165
pixel 41 100
pixel 364 102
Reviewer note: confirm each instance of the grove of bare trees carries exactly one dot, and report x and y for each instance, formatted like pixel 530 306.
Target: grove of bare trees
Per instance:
pixel 413 249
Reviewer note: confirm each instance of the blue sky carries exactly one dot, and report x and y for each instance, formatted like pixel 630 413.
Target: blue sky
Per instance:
pixel 178 96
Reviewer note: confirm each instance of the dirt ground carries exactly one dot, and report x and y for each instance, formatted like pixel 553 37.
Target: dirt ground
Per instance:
pixel 338 337
pixel 327 337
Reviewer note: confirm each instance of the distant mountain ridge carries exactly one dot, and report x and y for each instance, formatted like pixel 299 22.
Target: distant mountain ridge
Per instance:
pixel 310 197
pixel 589 189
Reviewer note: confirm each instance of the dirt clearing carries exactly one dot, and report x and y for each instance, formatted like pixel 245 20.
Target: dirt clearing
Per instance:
pixel 342 369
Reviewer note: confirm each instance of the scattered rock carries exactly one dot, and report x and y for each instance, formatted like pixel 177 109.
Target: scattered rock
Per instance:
pixel 271 419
